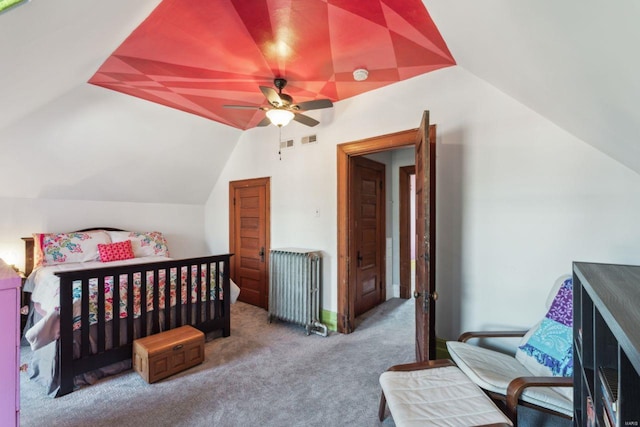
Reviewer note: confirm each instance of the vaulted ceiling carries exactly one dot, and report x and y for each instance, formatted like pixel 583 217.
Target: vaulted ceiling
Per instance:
pixel 200 55
pixel 573 62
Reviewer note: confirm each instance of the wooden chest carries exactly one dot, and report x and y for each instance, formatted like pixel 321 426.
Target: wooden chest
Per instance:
pixel 158 356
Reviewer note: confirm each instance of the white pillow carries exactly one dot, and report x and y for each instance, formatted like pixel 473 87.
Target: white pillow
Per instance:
pixel 59 248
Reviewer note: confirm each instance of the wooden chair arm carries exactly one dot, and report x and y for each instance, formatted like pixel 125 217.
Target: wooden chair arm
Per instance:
pixel 518 385
pixel 490 334
pixel 428 364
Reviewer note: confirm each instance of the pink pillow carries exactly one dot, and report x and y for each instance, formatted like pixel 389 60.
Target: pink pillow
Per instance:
pixel 115 251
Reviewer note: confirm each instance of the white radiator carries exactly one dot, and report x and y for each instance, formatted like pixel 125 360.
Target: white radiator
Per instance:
pixel 294 288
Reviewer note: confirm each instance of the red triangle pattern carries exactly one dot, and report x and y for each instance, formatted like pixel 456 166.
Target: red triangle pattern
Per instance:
pixel 199 55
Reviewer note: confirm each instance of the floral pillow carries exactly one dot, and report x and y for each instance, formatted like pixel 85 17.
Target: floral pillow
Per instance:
pixel 115 251
pixel 547 350
pixel 144 244
pixel 58 248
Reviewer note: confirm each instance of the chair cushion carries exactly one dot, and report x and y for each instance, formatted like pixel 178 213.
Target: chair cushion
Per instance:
pixel 547 350
pixel 493 371
pixel 555 288
pixel 437 397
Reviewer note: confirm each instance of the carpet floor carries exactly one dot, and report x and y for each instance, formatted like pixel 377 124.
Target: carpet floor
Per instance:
pixel 264 374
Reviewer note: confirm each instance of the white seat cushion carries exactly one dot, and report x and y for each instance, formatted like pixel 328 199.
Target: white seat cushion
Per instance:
pixel 493 371
pixel 438 397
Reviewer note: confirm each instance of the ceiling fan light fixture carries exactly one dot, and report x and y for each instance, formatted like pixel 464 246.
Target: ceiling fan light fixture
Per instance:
pixel 280 117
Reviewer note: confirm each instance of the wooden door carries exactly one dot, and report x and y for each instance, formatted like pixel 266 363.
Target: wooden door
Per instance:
pixel 249 239
pixel 425 292
pixel 368 227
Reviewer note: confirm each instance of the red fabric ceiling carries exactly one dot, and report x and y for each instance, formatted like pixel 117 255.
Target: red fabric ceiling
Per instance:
pixel 198 55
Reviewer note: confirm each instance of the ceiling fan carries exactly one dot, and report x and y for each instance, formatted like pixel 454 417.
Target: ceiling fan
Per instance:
pixel 281 109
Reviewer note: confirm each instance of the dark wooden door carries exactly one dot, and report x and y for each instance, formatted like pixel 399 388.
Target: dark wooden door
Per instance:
pixel 249 239
pixel 368 207
pixel 425 291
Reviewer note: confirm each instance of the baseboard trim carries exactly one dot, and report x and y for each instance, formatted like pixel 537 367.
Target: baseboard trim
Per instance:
pixel 330 319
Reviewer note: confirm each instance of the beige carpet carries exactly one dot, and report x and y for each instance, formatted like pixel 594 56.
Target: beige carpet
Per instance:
pixel 262 375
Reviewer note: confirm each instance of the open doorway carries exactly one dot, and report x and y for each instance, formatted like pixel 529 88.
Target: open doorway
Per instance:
pixel 425 295
pixel 407 230
pixel 346 284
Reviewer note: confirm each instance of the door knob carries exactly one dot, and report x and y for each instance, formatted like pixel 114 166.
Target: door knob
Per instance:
pixel 434 295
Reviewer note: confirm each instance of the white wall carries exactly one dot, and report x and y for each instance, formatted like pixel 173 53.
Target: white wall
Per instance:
pixel 94 157
pixel 518 198
pixel 96 144
pixel 182 225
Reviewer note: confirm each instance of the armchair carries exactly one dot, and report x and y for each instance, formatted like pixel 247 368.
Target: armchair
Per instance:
pixel 539 375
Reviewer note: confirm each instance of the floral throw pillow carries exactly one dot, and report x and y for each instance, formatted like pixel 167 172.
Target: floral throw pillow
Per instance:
pixel 548 349
pixel 115 251
pixel 151 243
pixel 58 248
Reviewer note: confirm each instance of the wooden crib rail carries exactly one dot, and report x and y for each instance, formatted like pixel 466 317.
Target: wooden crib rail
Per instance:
pixel 207 313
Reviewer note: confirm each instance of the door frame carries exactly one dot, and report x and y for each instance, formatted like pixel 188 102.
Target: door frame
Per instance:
pixel 243 183
pixel 346 293
pixel 404 241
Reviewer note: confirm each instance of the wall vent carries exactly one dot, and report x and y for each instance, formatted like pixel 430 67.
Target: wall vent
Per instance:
pixel 311 139
pixel 286 144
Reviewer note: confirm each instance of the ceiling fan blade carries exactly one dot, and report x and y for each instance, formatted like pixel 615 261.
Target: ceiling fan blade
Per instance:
pixel 305 120
pixel 272 96
pixel 314 105
pixel 264 122
pixel 243 107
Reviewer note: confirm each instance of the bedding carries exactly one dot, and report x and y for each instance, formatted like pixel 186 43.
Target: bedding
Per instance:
pixel 44 287
pixel 59 248
pixel 81 301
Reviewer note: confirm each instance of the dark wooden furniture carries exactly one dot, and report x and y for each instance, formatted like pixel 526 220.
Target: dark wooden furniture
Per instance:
pixel 606 337
pixel 106 343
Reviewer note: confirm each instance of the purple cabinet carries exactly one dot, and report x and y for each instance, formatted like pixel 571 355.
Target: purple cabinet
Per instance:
pixel 9 346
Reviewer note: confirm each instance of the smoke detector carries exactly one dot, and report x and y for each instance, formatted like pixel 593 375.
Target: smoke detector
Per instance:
pixel 360 74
